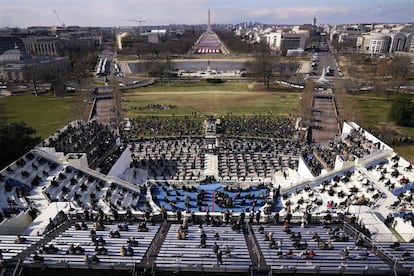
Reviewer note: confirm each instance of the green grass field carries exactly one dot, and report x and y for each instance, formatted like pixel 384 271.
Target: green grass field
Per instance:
pixel 194 86
pixel 372 112
pixel 44 113
pixel 208 99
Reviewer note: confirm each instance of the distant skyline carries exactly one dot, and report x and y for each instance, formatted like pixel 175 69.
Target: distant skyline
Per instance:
pixel 24 13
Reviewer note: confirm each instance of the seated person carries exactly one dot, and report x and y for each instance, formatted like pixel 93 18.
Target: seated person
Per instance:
pixel 316 237
pixel 227 250
pixel 79 250
pixel 203 242
pixel 20 239
pixel 123 227
pixel 289 254
pixel 341 237
pixel 279 243
pixel 216 236
pixel 279 253
pixel 142 227
pixel 287 229
pixel 101 250
pixel 77 226
pixel 268 236
pixel 344 254
pixel 272 244
pixel 298 245
pixel 100 241
pixel 311 254
pixel 93 233
pixel 71 249
pixel 99 226
pixel 305 254
pixel 325 245
pixel 395 245
pixel 49 249
pixel 84 226
pixel 261 229
pixel 203 235
pixel 215 248
pixel 95 259
pixel 132 241
pixel 123 251
pixel 405 255
pixel 38 258
pixel 181 234
pixel 129 250
pixel 296 237
pixel 86 259
pixel 114 234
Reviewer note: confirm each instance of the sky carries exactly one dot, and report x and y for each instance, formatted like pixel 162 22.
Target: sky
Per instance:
pixel 24 13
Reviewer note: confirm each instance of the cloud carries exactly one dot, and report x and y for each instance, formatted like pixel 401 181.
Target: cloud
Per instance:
pixel 163 12
pixel 296 14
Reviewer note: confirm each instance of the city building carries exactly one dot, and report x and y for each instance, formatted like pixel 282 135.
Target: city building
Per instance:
pixel 13 64
pixel 43 46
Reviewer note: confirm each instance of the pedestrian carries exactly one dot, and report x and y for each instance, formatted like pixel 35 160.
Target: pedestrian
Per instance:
pixel 219 257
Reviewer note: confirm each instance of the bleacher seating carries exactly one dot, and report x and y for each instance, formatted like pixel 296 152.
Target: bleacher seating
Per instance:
pixel 396 252
pixel 83 238
pixel 10 247
pixel 253 158
pixel 334 194
pixel 18 180
pixel 324 260
pixel 187 253
pixel 167 158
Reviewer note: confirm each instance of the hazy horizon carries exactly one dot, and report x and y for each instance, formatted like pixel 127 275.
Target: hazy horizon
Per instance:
pixel 112 13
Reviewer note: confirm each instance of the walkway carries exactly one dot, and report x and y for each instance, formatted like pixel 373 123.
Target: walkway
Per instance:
pixel 211 164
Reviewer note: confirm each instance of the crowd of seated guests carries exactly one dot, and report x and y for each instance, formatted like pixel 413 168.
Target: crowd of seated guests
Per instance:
pixel 394 176
pixel 355 148
pixel 256 126
pixel 91 138
pixel 106 164
pixel 75 250
pixel 169 158
pixel 254 157
pixel 114 234
pixel 333 194
pixel 311 161
pixel 81 226
pixel 166 126
pixel 126 251
pixel 132 241
pixel 49 249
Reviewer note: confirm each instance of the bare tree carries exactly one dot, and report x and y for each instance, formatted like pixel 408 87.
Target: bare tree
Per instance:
pixel 264 65
pixel 29 73
pixel 160 66
pixel 399 68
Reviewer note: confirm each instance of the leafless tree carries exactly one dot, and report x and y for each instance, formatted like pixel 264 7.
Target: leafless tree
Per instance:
pixel 399 69
pixel 264 65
